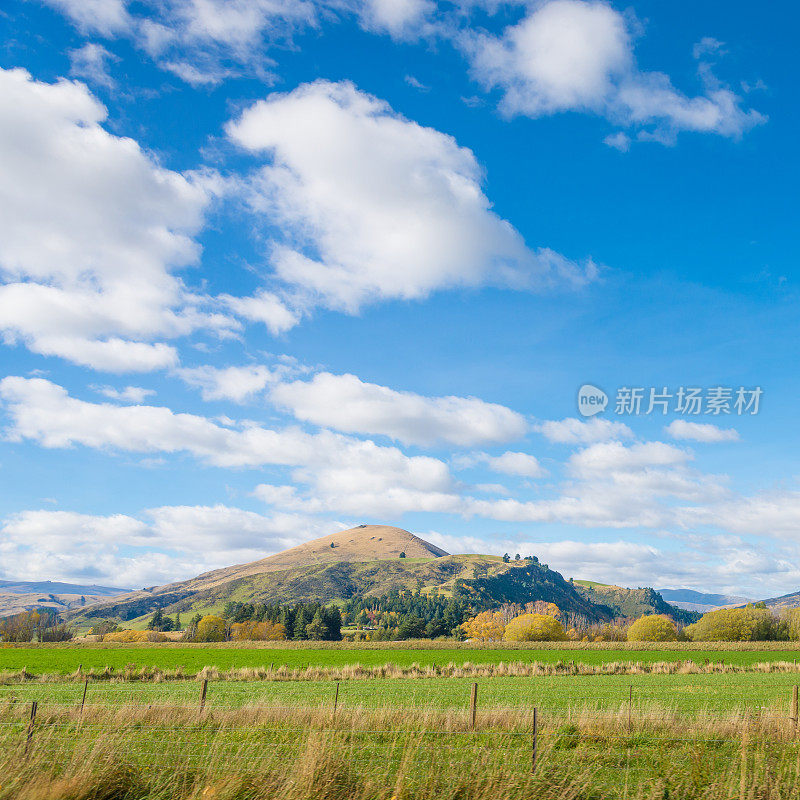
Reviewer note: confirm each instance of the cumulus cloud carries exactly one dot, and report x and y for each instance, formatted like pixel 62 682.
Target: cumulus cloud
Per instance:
pixel 343 472
pixel 346 403
pixel 402 19
pixel 266 308
pixel 700 432
pixel 130 394
pixel 575 431
pixel 508 463
pixel 91 229
pixel 608 457
pixel 228 383
pixel 106 17
pixel 159 545
pixel 512 463
pixel 377 207
pixel 578 55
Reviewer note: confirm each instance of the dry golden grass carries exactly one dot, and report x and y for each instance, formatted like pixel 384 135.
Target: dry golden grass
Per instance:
pixel 172 753
pixel 451 670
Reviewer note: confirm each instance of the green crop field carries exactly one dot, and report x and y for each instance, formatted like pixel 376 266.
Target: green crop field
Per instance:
pixel 192 658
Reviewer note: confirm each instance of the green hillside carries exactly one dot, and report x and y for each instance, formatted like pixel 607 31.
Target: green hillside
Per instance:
pixel 486 580
pixel 632 602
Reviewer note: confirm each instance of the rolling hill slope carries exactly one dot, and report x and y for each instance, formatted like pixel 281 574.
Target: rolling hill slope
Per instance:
pixel 18 596
pixel 633 602
pixel 363 561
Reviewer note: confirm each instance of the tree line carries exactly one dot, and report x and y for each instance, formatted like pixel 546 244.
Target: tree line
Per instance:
pixel 38 625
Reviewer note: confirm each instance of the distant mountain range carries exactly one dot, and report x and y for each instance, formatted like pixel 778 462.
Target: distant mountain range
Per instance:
pixel 791 600
pixel 701 601
pixel 19 596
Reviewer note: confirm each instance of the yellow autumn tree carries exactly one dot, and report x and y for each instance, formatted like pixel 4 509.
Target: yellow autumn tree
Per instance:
pixel 258 631
pixel 486 626
pixel 211 628
pixel 535 628
pixel 653 628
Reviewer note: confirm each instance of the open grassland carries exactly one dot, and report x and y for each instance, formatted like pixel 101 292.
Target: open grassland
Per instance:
pixel 193 658
pixel 508 687
pixel 174 752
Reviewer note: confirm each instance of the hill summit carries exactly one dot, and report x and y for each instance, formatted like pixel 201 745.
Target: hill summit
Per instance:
pixel 365 561
pixel 362 543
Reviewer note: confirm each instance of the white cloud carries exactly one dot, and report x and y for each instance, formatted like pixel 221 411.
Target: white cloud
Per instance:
pixel 375 206
pixel 264 307
pixel 575 431
pixel 775 513
pixel 107 17
pixel 700 432
pixel 130 394
pixel 228 383
pixel 348 404
pixel 91 62
pixel 206 41
pixel 342 473
pixel 609 457
pixel 509 463
pixel 90 229
pixel 512 463
pixel 577 55
pixel 619 141
pixel 402 19
pixel 161 545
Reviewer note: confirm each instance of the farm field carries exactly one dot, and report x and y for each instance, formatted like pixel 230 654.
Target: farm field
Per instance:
pixel 420 745
pixel 192 658
pixel 696 693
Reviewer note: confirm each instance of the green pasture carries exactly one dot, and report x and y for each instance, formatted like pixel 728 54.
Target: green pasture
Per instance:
pixel 689 693
pixel 67 659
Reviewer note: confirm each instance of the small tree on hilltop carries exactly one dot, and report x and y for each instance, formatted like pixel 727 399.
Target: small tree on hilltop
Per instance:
pixel 653 628
pixel 403 554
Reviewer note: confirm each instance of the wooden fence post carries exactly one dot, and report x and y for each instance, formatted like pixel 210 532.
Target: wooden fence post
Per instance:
pixel 743 767
pixel 630 708
pixel 473 705
pixel 794 717
pixel 203 695
pixel 31 723
pixel 336 699
pixel 83 699
pixel 535 743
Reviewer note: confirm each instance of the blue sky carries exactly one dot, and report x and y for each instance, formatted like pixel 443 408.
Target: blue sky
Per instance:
pixel 268 269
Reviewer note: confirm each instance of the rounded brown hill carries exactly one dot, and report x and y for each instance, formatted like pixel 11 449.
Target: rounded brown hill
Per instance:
pixel 362 543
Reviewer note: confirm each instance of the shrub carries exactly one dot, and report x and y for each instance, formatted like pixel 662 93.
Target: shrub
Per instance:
pixel 653 628
pixel 211 628
pixel 258 631
pixel 534 628
pixel 749 624
pixel 134 636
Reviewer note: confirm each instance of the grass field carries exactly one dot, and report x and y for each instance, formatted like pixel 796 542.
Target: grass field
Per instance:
pixel 334 731
pixel 192 658
pixel 124 752
pixel 686 693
